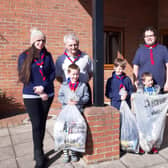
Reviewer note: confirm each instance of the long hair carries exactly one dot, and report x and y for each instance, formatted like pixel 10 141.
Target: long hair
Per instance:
pixel 25 71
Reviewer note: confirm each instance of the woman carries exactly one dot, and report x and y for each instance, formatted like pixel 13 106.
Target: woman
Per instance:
pixel 36 71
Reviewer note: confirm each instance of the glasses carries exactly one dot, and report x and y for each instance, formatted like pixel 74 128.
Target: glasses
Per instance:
pixel 152 35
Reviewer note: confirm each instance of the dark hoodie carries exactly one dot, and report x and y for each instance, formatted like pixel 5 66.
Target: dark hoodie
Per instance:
pixel 113 86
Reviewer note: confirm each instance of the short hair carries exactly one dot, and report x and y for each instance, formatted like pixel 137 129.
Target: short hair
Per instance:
pixel 120 62
pixel 74 67
pixel 150 28
pixel 71 36
pixel 146 74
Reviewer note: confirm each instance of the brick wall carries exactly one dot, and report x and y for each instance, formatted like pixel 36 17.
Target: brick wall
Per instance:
pixel 103 134
pixel 55 18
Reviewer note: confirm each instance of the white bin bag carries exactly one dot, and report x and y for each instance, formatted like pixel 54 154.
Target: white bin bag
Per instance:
pixel 70 130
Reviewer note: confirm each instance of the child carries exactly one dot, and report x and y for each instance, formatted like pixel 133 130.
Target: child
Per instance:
pixel 148 84
pixel 149 89
pixel 73 92
pixel 119 81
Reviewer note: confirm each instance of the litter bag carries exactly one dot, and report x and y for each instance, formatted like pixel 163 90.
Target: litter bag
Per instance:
pixel 70 130
pixel 150 116
pixel 129 132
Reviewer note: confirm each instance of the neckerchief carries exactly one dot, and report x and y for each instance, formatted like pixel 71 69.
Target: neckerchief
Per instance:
pixel 40 64
pixel 72 86
pixel 151 52
pixel 120 77
pixel 76 58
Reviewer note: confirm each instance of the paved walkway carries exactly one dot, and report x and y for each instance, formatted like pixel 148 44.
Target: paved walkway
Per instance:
pixel 16 152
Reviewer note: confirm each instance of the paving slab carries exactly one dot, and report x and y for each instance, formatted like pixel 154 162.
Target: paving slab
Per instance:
pixel 10 163
pixel 20 129
pixel 164 153
pixel 107 164
pixel 26 161
pixel 22 137
pixel 160 166
pixel 5 141
pixel 24 149
pixel 6 153
pixel 141 161
pixel 4 132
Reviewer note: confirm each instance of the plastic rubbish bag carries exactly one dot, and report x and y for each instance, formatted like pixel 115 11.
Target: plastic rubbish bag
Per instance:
pixel 150 116
pixel 129 132
pixel 70 130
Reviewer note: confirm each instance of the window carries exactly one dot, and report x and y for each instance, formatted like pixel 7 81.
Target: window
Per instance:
pixel 113 45
pixel 164 37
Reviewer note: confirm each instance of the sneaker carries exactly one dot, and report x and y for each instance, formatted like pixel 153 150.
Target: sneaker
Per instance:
pixel 154 150
pixel 74 158
pixel 66 159
pixel 141 151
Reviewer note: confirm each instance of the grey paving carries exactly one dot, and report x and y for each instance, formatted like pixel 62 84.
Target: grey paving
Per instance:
pixel 16 151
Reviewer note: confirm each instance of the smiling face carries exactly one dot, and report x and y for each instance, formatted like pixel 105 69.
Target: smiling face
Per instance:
pixel 149 37
pixel 118 70
pixel 39 44
pixel 148 81
pixel 72 47
pixel 74 75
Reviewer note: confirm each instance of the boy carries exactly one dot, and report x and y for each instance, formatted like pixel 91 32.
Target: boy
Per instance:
pixel 117 83
pixel 149 89
pixel 73 92
pixel 148 84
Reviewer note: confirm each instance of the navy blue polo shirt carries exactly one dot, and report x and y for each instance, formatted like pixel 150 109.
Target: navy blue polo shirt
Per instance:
pixel 158 69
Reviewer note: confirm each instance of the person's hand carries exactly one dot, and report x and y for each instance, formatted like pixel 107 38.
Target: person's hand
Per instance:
pixel 44 96
pixel 136 83
pixel 166 87
pixel 72 102
pixel 38 89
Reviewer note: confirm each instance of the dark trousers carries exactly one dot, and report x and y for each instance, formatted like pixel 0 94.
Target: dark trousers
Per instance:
pixel 38 112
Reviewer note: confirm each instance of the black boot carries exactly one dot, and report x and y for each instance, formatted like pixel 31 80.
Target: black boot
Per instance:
pixel 39 158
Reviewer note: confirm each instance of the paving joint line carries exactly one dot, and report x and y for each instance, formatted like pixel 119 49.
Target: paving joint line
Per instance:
pixel 12 144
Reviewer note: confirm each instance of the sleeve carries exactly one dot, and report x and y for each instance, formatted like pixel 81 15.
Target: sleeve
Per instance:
pixel 61 95
pixel 165 54
pixel 58 67
pixel 51 74
pixel 20 61
pixel 136 57
pixel 108 88
pixel 90 66
pixel 85 98
pixel 129 88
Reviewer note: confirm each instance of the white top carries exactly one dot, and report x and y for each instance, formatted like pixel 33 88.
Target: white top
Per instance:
pixel 84 62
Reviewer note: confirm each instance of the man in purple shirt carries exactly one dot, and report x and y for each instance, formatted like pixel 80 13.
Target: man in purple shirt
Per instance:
pixel 151 57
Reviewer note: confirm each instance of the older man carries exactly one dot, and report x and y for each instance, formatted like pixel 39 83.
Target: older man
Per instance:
pixel 72 55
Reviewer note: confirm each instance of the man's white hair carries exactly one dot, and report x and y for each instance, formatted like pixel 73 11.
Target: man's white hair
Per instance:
pixel 71 36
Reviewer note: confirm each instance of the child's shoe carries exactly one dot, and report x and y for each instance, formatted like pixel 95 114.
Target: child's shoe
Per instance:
pixel 141 151
pixel 154 150
pixel 74 157
pixel 66 156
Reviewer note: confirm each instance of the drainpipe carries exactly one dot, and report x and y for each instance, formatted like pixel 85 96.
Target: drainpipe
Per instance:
pixel 98 53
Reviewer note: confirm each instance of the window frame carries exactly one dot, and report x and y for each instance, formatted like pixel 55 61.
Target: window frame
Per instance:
pixel 115 29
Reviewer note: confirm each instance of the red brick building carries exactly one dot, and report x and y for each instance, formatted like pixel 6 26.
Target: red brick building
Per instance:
pixel 123 24
pixel 123 19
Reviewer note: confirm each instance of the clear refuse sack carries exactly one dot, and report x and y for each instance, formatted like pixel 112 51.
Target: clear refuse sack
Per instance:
pixel 70 130
pixel 129 137
pixel 150 116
